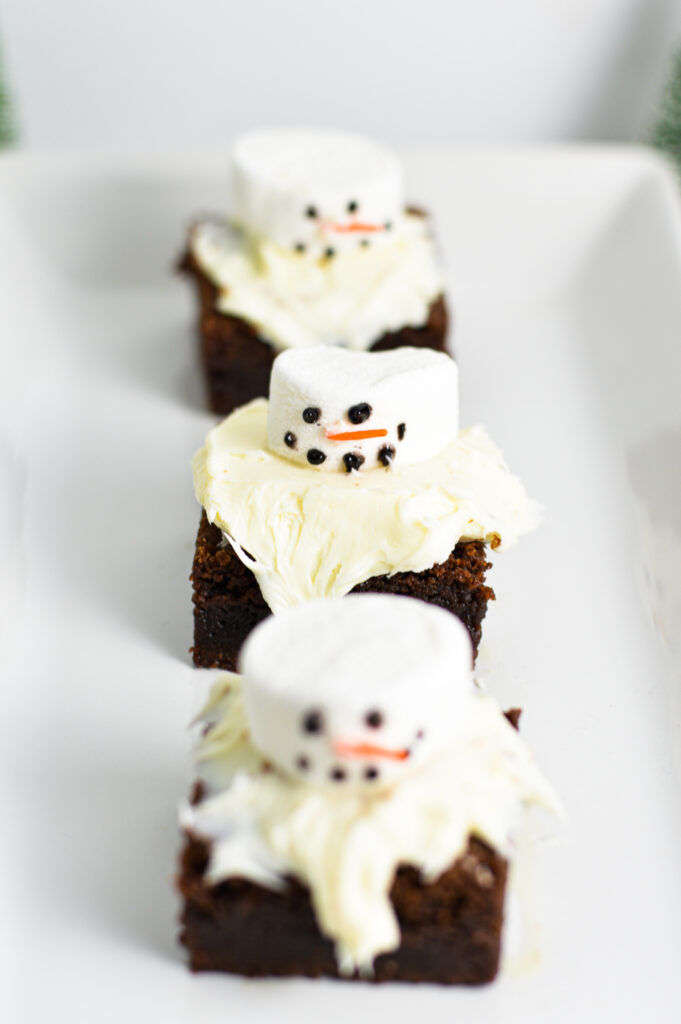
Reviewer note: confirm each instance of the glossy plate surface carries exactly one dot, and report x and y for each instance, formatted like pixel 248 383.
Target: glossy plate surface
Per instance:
pixel 565 278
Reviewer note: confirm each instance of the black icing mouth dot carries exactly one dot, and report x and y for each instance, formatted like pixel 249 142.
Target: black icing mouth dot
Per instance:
pixel 311 415
pixel 353 206
pixel 359 413
pixel 386 454
pixel 312 212
pixel 420 734
pixel 290 440
pixel 401 431
pixel 371 773
pixel 388 225
pixel 313 722
pixel 329 253
pixel 374 719
pixel 302 763
pixel 337 774
pixel 364 243
pixel 300 247
pixel 315 457
pixel 351 460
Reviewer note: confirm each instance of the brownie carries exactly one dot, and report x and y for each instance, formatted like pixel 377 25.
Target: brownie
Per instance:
pixel 450 929
pixel 228 602
pixel 237 361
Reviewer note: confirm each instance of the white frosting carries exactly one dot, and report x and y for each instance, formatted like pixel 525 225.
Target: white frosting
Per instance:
pixel 324 401
pixel 356 691
pixel 296 301
pixel 346 844
pixel 314 188
pixel 310 535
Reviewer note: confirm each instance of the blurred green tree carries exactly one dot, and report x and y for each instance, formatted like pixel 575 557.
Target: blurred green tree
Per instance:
pixel 6 124
pixel 666 131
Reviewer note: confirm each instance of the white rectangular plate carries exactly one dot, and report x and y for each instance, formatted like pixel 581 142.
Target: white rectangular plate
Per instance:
pixel 565 283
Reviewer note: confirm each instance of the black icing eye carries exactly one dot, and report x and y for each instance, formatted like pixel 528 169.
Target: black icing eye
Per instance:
pixel 420 734
pixel 315 457
pixel 313 722
pixel 330 252
pixel 290 439
pixel 337 774
pixel 311 415
pixel 353 206
pixel 359 413
pixel 374 719
pixel 312 212
pixel 364 243
pixel 386 454
pixel 388 225
pixel 299 247
pixel 302 763
pixel 370 773
pixel 401 431
pixel 351 460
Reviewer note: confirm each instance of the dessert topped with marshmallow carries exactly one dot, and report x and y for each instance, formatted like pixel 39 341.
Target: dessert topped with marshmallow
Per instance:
pixel 354 469
pixel 344 705
pixel 333 409
pixel 319 247
pixel 356 742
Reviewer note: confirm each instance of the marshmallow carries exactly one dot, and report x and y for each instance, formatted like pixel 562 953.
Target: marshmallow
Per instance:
pixel 315 191
pixel 356 692
pixel 339 410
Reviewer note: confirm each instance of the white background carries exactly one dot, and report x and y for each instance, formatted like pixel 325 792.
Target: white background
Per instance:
pixel 171 73
pixel 564 269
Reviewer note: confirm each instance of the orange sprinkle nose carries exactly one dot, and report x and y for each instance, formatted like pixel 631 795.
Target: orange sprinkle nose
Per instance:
pixel 356 435
pixel 358 226
pixel 368 750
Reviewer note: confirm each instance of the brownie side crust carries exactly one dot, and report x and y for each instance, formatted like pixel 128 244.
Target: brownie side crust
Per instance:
pixel 451 928
pixel 237 361
pixel 228 602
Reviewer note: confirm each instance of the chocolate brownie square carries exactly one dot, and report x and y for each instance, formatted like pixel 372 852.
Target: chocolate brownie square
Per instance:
pixel 450 928
pixel 228 603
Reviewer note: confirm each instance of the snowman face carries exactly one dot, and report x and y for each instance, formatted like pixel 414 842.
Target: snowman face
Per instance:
pixel 316 192
pixel 332 409
pixel 331 222
pixel 356 692
pixel 343 743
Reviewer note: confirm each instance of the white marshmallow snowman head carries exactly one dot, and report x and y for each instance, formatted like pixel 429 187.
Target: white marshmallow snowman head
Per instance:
pixel 356 692
pixel 315 192
pixel 333 409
